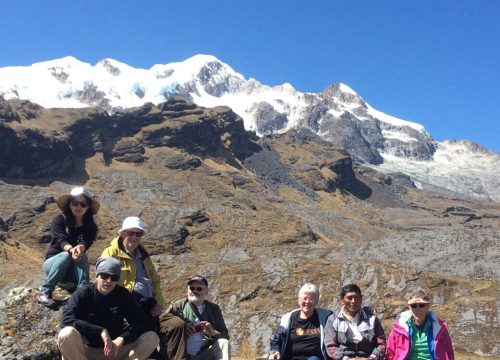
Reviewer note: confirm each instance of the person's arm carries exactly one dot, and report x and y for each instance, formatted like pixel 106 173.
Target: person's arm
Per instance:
pixel 334 350
pixel 59 234
pixel 276 342
pixel 155 281
pixel 218 329
pixel 447 344
pixel 379 341
pixel 175 308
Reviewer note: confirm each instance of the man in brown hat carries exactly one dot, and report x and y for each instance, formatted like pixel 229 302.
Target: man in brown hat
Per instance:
pixel 207 334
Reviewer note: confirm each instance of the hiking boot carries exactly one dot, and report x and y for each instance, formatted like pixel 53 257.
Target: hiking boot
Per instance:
pixel 45 297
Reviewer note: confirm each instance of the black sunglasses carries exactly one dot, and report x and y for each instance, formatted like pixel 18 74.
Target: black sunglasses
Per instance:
pixel 192 288
pixel 114 278
pixel 134 233
pixel 414 306
pixel 76 203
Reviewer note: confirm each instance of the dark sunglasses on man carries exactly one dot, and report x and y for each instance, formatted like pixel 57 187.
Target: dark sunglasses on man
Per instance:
pixel 114 278
pixel 134 233
pixel 197 288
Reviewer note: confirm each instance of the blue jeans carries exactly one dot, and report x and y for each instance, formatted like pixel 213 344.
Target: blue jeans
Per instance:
pixel 313 358
pixel 62 268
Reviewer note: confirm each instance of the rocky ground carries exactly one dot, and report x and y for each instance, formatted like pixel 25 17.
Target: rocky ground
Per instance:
pixel 259 217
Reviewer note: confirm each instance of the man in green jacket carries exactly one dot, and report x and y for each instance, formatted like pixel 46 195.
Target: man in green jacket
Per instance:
pixel 207 334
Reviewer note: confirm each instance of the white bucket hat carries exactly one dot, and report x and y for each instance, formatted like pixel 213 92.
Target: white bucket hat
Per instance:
pixel 76 191
pixel 132 222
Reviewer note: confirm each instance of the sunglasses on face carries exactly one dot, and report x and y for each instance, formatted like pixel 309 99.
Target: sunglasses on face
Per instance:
pixel 414 306
pixel 76 203
pixel 134 233
pixel 114 278
pixel 192 288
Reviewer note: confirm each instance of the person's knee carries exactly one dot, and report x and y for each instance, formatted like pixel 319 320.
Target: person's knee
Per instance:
pixel 171 323
pixel 68 334
pixel 223 345
pixel 150 338
pixel 223 342
pixel 65 259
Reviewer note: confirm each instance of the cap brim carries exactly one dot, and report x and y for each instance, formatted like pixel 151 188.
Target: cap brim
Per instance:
pixel 419 301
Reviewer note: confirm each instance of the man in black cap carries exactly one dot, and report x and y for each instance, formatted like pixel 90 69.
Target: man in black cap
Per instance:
pixel 92 320
pixel 207 334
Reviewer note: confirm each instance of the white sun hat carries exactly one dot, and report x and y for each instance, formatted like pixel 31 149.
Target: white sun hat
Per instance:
pixel 132 222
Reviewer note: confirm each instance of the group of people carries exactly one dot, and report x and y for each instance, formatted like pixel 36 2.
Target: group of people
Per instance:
pixel 355 332
pixel 122 314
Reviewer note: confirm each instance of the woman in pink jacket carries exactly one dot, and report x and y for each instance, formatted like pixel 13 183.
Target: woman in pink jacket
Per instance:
pixel 419 334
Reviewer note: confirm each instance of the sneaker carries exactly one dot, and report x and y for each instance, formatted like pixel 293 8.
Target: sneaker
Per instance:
pixel 45 297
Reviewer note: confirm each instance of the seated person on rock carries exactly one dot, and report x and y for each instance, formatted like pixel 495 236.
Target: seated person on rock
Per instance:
pixel 419 334
pixel 139 277
pixel 207 334
pixel 300 333
pixel 72 233
pixel 92 320
pixel 354 332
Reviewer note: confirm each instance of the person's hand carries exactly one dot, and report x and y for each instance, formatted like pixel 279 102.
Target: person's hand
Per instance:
pixel 119 341
pixel 156 310
pixel 76 252
pixel 190 329
pixel 109 346
pixel 275 355
pixel 206 328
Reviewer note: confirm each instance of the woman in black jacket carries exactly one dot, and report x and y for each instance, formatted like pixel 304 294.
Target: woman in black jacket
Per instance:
pixel 72 232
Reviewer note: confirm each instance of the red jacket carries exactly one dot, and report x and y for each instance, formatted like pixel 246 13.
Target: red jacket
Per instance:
pixel 398 343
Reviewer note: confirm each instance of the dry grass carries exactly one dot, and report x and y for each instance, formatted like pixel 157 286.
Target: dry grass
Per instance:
pixel 247 352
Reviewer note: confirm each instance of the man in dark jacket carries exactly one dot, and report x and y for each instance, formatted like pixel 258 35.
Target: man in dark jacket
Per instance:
pixel 207 334
pixel 92 320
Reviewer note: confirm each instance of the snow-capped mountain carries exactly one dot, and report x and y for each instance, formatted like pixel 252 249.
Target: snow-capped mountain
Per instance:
pixel 338 114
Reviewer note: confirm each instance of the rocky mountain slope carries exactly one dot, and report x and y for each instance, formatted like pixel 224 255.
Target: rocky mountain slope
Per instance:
pixel 338 114
pixel 258 216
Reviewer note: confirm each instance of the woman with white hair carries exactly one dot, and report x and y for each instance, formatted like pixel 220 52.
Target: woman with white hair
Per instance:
pixel 419 334
pixel 300 333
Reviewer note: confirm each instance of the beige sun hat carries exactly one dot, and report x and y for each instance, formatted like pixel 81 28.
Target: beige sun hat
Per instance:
pixel 76 191
pixel 419 298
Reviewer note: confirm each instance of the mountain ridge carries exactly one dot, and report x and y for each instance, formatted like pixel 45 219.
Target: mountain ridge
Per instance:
pixel 338 114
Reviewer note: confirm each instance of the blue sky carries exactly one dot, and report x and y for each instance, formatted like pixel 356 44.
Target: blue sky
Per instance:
pixel 433 62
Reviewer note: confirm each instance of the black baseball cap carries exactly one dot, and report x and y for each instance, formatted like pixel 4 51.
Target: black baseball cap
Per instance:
pixel 197 278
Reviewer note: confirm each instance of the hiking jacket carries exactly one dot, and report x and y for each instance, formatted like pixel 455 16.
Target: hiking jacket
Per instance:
pixel 438 339
pixel 61 236
pixel 212 314
pixel 372 344
pixel 90 312
pixel 279 341
pixel 128 268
